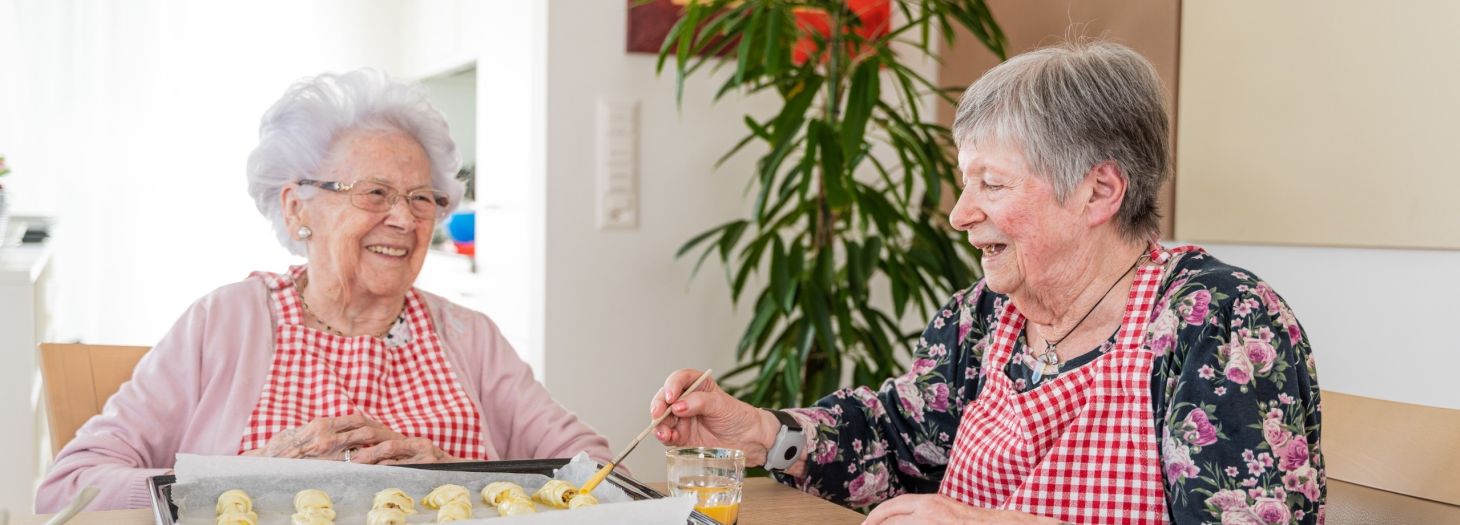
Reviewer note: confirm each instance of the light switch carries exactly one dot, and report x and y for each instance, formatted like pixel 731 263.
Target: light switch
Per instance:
pixel 617 164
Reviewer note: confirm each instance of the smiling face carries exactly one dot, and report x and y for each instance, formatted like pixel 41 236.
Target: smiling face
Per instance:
pixel 373 254
pixel 1011 214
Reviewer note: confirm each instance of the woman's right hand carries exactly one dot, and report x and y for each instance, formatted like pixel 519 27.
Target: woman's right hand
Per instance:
pixel 709 417
pixel 326 438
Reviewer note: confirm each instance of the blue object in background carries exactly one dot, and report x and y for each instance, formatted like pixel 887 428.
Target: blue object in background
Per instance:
pixel 462 226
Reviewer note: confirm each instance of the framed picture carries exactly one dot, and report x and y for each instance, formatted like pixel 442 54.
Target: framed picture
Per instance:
pixel 649 23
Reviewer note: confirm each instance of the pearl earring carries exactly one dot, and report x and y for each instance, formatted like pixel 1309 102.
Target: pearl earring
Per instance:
pixel 304 233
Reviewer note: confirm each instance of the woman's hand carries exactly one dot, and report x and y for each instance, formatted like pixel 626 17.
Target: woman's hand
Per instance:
pixel 710 417
pixel 937 508
pixel 327 438
pixel 403 451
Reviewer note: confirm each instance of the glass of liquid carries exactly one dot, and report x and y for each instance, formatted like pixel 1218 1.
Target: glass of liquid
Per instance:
pixel 713 475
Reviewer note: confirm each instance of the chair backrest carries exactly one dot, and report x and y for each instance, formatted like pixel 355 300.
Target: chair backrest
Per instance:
pixel 1397 447
pixel 79 379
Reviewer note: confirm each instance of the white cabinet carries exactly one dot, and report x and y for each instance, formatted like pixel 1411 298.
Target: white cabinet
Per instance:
pixel 25 321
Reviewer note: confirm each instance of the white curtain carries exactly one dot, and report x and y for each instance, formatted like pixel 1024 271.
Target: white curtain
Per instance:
pixel 130 122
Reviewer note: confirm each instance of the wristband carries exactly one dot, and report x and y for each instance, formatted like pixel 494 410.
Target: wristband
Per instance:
pixel 788 444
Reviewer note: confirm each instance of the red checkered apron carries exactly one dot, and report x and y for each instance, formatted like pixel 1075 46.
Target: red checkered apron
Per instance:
pixel 1081 447
pixel 409 388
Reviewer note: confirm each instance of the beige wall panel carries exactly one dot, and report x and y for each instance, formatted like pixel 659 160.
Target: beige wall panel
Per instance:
pixel 1148 26
pixel 1320 122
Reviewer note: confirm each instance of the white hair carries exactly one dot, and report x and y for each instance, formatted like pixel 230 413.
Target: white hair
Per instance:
pixel 1071 107
pixel 296 133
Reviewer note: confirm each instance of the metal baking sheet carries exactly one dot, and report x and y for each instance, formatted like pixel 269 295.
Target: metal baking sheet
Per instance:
pixel 166 512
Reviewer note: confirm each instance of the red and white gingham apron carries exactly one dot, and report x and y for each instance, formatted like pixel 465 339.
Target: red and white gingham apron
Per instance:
pixel 1081 447
pixel 409 388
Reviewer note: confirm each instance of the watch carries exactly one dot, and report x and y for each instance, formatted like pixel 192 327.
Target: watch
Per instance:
pixel 789 442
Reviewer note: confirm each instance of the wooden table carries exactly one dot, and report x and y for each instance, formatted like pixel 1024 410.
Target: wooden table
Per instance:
pixel 765 502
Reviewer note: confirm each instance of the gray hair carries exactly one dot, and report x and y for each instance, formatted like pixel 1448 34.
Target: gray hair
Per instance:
pixel 296 133
pixel 1071 107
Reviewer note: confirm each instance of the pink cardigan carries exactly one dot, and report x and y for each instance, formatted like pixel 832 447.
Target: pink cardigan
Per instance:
pixel 194 391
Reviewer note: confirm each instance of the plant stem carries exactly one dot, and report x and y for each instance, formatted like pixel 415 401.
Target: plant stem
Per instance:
pixel 825 227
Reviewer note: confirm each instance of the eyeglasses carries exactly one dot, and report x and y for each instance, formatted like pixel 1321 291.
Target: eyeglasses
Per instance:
pixel 376 197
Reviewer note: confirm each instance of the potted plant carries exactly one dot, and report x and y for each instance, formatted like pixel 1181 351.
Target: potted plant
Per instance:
pixel 848 186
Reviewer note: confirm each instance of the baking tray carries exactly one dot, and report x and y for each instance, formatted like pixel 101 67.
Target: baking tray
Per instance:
pixel 166 512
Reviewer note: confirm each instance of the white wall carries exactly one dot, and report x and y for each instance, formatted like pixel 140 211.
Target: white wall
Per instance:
pixel 621 313
pixel 1380 320
pixel 1280 121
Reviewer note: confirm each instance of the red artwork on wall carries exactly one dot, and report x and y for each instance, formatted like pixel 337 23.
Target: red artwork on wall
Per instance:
pixel 649 24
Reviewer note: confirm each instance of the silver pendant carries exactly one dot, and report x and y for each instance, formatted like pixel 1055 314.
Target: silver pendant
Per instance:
pixel 1046 360
pixel 1050 356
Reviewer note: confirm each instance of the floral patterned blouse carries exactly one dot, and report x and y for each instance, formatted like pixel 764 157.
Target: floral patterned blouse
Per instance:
pixel 1237 406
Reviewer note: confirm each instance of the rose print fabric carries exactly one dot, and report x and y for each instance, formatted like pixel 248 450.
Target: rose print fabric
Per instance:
pixel 1234 389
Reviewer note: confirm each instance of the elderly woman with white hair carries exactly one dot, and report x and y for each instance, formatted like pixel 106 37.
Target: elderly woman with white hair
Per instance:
pixel 1093 375
pixel 340 358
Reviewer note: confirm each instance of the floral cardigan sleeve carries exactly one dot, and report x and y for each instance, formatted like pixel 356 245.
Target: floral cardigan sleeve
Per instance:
pixel 1234 386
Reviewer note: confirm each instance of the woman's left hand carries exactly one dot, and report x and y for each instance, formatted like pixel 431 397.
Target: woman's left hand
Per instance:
pixel 402 451
pixel 937 508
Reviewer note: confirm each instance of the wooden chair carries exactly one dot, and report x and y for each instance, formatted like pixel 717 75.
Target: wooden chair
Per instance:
pixel 79 379
pixel 1390 462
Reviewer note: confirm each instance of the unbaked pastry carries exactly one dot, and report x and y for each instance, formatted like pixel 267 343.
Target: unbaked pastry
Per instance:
pixel 394 498
pixel 454 510
pixel 582 499
pixel 314 517
pixel 238 518
pixel 499 491
pixel 312 499
pixel 234 502
pixel 516 507
pixel 445 494
pixel 556 493
pixel 386 516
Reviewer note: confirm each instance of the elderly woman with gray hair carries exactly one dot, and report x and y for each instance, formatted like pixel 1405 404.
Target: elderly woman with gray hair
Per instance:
pixel 340 358
pixel 1093 375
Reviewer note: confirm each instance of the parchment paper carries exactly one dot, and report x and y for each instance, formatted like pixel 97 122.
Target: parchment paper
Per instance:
pixel 272 483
